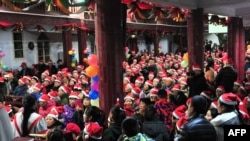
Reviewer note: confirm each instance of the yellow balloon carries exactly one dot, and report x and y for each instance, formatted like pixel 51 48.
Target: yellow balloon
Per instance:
pixel 70 52
pixel 73 65
pixel 127 56
pixel 95 102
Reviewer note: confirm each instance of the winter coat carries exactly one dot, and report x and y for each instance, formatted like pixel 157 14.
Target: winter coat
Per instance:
pixel 198 129
pixel 112 133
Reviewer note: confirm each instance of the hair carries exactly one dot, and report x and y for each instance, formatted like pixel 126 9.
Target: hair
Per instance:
pixel 130 126
pixel 28 103
pixel 2 98
pixel 199 103
pixel 118 114
pixel 146 100
pixel 162 93
pixel 214 112
pixel 150 113
pixel 97 114
pixel 230 108
pixel 55 135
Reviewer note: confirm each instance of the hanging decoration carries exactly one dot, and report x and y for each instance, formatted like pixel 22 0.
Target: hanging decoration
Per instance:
pixel 92 72
pixel 178 14
pixel 216 20
pixel 3 67
pixel 72 53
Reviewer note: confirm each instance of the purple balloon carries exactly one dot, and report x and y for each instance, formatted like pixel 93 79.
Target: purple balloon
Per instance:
pixel 94 86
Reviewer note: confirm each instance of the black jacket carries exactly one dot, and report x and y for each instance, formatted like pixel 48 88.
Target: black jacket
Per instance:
pixel 198 129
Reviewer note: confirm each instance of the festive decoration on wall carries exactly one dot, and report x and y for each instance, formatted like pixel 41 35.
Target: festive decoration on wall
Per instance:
pixel 217 20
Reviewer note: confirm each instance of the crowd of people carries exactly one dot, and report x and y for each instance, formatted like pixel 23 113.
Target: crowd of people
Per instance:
pixel 163 101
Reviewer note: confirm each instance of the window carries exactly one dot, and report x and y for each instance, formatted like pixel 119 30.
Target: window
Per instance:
pixel 18 44
pixel 43 47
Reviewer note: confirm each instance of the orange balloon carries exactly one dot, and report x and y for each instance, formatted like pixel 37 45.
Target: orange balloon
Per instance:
pixel 185 57
pixel 91 71
pixel 85 60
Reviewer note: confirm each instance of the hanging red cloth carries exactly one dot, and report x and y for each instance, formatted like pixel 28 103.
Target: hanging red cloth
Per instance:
pixel 144 6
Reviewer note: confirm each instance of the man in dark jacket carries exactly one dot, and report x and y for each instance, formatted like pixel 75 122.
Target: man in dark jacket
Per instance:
pixel 226 76
pixel 196 81
pixel 198 128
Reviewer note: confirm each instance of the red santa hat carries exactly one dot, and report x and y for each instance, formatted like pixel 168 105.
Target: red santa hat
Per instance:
pixel 35 78
pixel 85 93
pixel 183 81
pixel 48 78
pixel 53 113
pixel 27 77
pixel 65 89
pixel 176 87
pixel 180 111
pixel 181 122
pixel 129 96
pixel 188 101
pixel 80 67
pixel 93 130
pixel 58 79
pixel 207 94
pixel 127 79
pixel 220 88
pixel 74 95
pixel 78 86
pixel 139 80
pixel 156 79
pixel 167 78
pixel 53 94
pixel 22 80
pixel 44 98
pixel 151 74
pixel 46 72
pixel 196 67
pixel 237 82
pixel 149 83
pixel 85 80
pixel 74 128
pixel 38 86
pixel 229 99
pixel 118 103
pixel 136 91
pixel 153 92
pixel 243 111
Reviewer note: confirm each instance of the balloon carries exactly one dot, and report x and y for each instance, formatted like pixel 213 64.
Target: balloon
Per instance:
pixel 70 52
pixel 95 102
pixel 91 71
pixel 95 78
pixel 85 51
pixel 4 67
pixel 93 94
pixel 94 86
pixel 184 63
pixel 73 65
pixel 126 49
pixel 92 60
pixel 74 60
pixel 85 60
pixel 185 57
pixel 127 56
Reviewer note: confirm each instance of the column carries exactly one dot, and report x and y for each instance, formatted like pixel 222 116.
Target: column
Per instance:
pixel 110 51
pixel 195 29
pixel 236 45
pixel 156 40
pixel 82 45
pixel 67 45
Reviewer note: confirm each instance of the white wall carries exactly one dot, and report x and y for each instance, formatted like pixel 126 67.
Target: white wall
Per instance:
pixel 213 37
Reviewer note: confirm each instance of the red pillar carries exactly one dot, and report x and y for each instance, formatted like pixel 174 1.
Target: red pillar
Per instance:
pixel 195 29
pixel 236 45
pixel 156 40
pixel 67 45
pixel 82 45
pixel 110 51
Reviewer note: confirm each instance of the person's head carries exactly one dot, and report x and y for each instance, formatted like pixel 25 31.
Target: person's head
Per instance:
pixel 73 97
pixel 197 106
pixel 211 113
pixel 151 62
pixel 129 100
pixel 150 113
pixel 228 102
pixel 93 114
pixel 144 102
pixel 22 81
pixel 219 91
pixel 55 135
pixel 86 101
pixel 130 127
pixel 116 115
pixel 52 119
pixel 29 102
pixel 162 93
pixel 196 69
